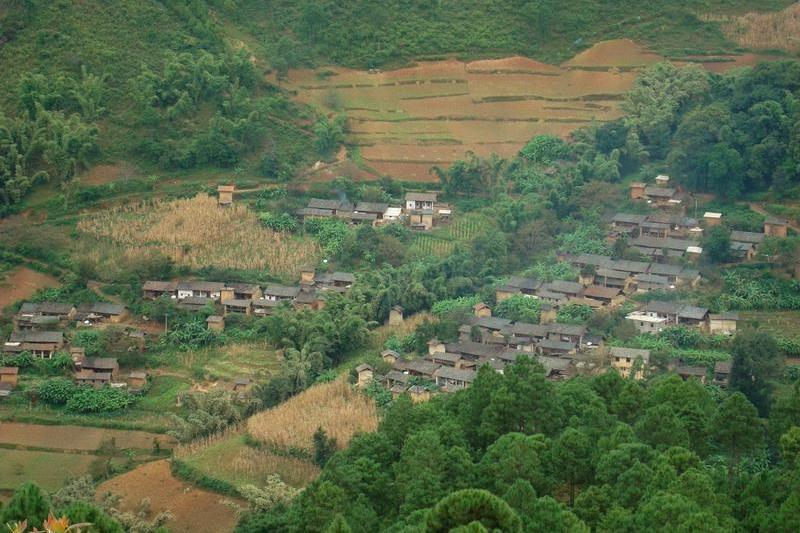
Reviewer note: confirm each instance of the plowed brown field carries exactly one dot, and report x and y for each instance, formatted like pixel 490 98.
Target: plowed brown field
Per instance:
pixel 407 120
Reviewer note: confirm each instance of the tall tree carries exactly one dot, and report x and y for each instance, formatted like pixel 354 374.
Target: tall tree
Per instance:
pixel 737 429
pixel 757 365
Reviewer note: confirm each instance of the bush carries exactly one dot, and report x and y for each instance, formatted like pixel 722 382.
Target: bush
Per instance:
pixel 105 400
pixel 56 391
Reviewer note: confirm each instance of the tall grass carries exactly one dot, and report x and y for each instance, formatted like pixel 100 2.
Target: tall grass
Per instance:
pixel 196 232
pixel 779 30
pixel 334 406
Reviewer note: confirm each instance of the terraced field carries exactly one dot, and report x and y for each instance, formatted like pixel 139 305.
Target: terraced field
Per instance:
pixel 406 121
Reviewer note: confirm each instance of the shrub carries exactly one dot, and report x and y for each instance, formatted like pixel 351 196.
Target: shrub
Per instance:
pixel 105 400
pixel 56 391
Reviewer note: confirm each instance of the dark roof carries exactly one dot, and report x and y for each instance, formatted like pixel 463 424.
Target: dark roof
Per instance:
pixel 371 207
pixel 633 353
pixel 52 308
pixel 313 212
pixel 596 291
pixel 213 319
pixel 455 374
pixel 665 270
pixel 86 375
pixel 669 244
pixel 160 286
pixel 552 364
pixel 99 363
pixel 347 277
pixel 747 236
pixel 473 348
pixel 627 218
pixel 556 345
pixel 520 282
pixel 245 288
pixel 563 286
pixel 686 370
pixel 209 286
pixel 263 302
pixel 566 329
pixel 238 303
pixel 396 375
pixel 54 337
pixel 422 366
pixel 776 220
pixel 652 279
pixel 446 356
pixel 281 291
pixel 592 259
pixel 421 196
pixel 491 322
pixel 628 266
pixel 306 297
pixel 659 192
pixel 525 329
pixel 655 225
pixel 611 273
pixel 689 273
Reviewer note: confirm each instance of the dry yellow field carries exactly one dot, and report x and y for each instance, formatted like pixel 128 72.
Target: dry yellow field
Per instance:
pixel 779 31
pixel 196 232
pixel 336 407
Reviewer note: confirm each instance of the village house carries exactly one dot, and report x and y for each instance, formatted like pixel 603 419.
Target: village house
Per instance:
pixel 481 310
pixel 215 323
pixel 9 375
pixel 43 315
pixel 607 277
pixel 611 296
pixel 95 371
pixel 712 218
pixel 372 208
pixel 390 356
pixel 101 312
pixel 137 380
pixel 420 219
pixel 624 359
pixel 240 291
pixel 225 193
pixel 339 281
pixel 661 196
pixel 775 226
pixel 195 303
pixel 573 333
pixel 262 307
pixel 556 368
pixel 687 372
pixel 750 237
pixel 240 307
pixel 650 282
pixel 555 347
pixel 722 373
pixel 273 292
pixel 201 289
pixel 416 201
pixel 677 313
pixel 490 325
pixel 42 344
pixel 570 289
pixel 156 289
pixel 453 379
pixel 647 322
pixel 517 285
pixel 743 251
pixel 723 323
pixel 242 385
pixel 660 248
pixel 445 359
pixel 637 190
pixel 627 223
pixel 364 373
pixel 340 205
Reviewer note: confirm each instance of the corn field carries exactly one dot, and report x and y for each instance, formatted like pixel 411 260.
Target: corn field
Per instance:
pixel 425 245
pixel 196 232
pixel 779 30
pixel 336 407
pixel 258 463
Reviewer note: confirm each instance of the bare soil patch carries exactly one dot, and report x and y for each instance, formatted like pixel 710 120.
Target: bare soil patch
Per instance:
pixel 21 283
pixel 195 510
pixel 434 112
pixel 77 437
pixel 102 174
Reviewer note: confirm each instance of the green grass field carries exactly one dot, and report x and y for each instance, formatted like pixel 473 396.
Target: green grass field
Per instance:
pixel 48 470
pixel 785 324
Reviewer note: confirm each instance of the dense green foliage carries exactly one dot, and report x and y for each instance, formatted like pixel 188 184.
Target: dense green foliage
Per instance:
pixel 365 33
pixel 601 453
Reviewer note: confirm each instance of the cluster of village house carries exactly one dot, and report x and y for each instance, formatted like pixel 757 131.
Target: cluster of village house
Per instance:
pixel 247 298
pixel 562 349
pixel 669 233
pixel 420 210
